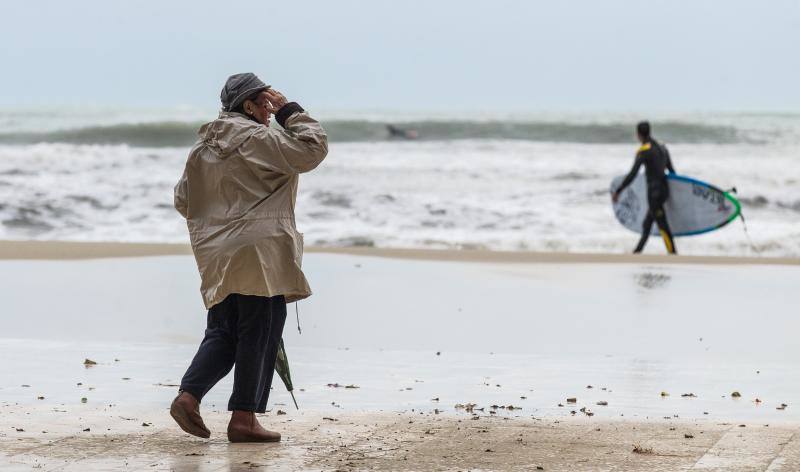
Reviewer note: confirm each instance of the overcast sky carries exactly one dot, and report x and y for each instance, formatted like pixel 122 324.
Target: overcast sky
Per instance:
pixel 625 55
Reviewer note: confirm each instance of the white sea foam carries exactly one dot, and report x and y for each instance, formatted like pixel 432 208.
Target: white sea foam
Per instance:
pixel 497 194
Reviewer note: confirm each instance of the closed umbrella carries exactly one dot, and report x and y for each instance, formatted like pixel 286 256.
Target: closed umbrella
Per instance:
pixel 282 368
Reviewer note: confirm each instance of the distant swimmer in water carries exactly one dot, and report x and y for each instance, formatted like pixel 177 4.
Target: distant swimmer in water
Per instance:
pixel 395 132
pixel 656 160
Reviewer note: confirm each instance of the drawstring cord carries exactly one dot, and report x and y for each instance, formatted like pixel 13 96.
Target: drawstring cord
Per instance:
pixel 297 314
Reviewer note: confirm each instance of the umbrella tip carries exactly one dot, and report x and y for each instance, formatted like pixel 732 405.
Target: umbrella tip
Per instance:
pixel 294 399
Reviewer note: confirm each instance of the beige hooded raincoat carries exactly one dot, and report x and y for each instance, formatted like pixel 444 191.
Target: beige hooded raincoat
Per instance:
pixel 238 194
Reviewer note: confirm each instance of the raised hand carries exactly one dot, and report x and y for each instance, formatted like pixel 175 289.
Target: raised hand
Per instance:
pixel 276 100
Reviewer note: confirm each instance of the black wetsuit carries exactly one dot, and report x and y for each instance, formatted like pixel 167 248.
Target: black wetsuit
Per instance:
pixel 656 160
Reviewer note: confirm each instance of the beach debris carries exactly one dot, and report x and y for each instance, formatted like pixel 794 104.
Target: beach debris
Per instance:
pixel 742 425
pixel 126 378
pixel 538 467
pixel 782 407
pixel 165 385
pixel 145 424
pixel 664 394
pixel 572 400
pixel 560 404
pixel 688 436
pixel 88 361
pixel 280 412
pixel 637 449
pixel 757 400
pixel 589 386
pixel 438 353
pixel 40 397
pixel 19 430
pixel 436 411
pixel 328 418
pixel 194 454
pixel 690 395
pixel 435 399
pixel 602 403
pixel 705 412
pixel 488 450
pixel 586 411
pixel 475 417
pixel 79 384
pixel 468 407
pixel 338 385
pixel 736 394
pixel 523 398
pixel 87 430
pixel 84 399
pixel 25 386
pixel 573 412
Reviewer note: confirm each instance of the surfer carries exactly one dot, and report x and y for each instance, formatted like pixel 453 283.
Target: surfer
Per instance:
pixel 656 160
pixel 395 132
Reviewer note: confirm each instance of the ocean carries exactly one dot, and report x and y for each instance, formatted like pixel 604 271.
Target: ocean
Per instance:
pixel 534 182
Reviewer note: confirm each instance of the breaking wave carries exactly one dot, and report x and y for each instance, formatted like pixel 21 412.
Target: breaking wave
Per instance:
pixel 178 133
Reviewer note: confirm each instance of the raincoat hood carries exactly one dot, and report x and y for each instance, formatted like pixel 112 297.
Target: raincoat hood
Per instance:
pixel 238 193
pixel 224 135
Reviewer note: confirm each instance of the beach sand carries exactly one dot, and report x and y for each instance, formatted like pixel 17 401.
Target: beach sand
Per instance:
pixel 418 332
pixel 113 438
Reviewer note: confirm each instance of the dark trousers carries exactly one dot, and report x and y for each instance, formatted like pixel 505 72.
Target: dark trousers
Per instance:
pixel 656 198
pixel 242 330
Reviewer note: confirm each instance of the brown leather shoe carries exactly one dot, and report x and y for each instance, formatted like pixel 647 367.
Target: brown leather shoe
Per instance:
pixel 244 427
pixel 185 410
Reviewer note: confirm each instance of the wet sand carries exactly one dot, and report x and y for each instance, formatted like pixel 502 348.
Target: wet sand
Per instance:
pixel 418 333
pixel 114 438
pixel 59 250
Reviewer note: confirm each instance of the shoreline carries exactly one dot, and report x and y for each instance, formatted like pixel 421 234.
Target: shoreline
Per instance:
pixel 72 250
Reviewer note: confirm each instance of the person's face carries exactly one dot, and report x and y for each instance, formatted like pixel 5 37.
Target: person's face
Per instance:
pixel 259 108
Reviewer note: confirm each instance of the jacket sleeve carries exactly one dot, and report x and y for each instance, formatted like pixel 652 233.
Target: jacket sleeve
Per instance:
pixel 669 160
pixel 300 147
pixel 181 195
pixel 632 174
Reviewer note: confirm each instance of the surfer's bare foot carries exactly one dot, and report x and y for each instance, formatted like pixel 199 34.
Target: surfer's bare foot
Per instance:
pixel 185 410
pixel 244 427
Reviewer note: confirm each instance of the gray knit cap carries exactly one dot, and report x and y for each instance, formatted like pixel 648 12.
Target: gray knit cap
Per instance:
pixel 238 87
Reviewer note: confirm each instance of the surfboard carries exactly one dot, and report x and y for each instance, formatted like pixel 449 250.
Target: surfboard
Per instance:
pixel 693 206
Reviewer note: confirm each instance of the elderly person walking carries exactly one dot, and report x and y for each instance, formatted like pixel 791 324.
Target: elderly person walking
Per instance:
pixel 238 194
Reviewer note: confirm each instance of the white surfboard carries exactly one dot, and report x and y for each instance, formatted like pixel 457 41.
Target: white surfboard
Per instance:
pixel 693 207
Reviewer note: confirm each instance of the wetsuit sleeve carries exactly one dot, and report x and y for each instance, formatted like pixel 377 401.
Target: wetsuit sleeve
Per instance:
pixel 669 161
pixel 632 174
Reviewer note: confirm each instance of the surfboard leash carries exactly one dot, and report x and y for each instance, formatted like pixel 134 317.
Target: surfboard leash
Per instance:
pixel 753 247
pixel 747 234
